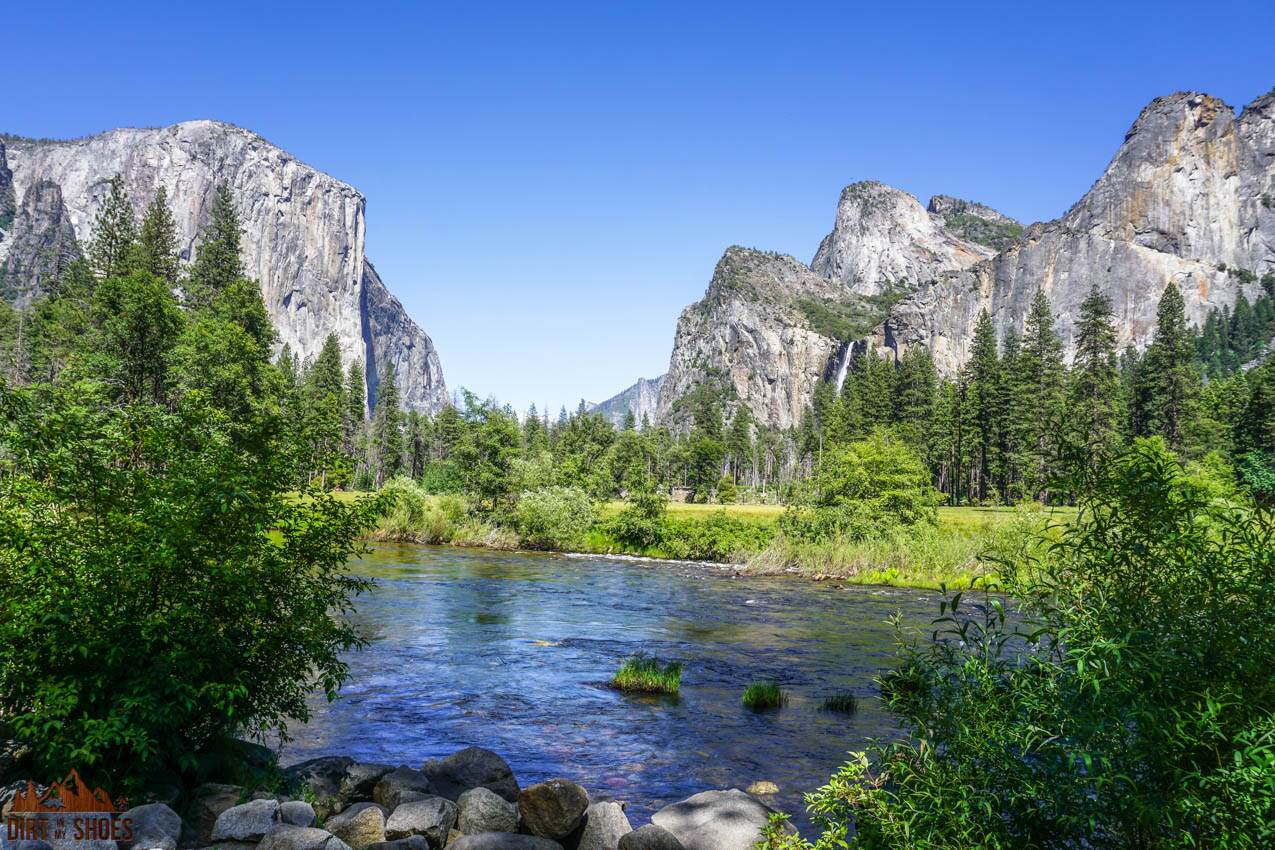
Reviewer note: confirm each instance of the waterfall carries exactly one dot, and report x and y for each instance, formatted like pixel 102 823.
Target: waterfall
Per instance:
pixel 842 365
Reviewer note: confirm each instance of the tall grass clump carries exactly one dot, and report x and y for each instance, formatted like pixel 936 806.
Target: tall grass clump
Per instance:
pixel 414 516
pixel 842 702
pixel 646 675
pixel 760 696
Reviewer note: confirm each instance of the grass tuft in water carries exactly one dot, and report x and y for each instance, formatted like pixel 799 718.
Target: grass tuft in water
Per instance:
pixel 646 675
pixel 763 695
pixel 842 702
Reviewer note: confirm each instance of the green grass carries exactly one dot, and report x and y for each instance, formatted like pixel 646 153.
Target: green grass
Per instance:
pixel 760 696
pixel 842 702
pixel 643 674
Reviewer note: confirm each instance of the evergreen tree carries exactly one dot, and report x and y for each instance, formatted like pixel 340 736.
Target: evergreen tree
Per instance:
pixel 980 407
pixel 1095 380
pixel 387 448
pixel 155 251
pixel 534 438
pixel 1167 382
pixel 138 324
pixel 417 444
pixel 355 409
pixel 217 261
pixel 324 414
pixel 1016 460
pixel 1043 387
pixel 114 234
pixel 739 442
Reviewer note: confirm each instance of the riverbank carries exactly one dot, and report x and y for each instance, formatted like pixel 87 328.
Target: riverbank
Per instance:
pixel 953 552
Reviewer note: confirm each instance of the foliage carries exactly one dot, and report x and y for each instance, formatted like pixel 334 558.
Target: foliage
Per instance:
pixel 760 696
pixel 553 517
pixel 158 588
pixel 842 702
pixel 727 494
pixel 644 674
pixel 409 513
pixel 641 523
pixel 868 489
pixel 1127 702
pixel 718 536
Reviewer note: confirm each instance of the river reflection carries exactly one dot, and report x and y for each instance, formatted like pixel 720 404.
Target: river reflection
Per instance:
pixel 510 651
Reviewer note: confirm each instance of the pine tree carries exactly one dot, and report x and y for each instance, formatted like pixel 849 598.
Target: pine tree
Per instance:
pixel 324 410
pixel 1167 382
pixel 386 449
pixel 114 234
pixel 1043 383
pixel 739 442
pixel 980 406
pixel 1014 422
pixel 217 261
pixel 1095 379
pixel 156 248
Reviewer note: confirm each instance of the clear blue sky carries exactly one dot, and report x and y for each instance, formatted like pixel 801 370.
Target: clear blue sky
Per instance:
pixel 548 185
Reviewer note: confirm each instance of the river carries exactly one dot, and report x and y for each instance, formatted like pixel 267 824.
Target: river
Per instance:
pixel 511 651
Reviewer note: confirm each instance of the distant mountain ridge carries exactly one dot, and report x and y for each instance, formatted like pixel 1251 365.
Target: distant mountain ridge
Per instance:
pixel 303 234
pixel 641 399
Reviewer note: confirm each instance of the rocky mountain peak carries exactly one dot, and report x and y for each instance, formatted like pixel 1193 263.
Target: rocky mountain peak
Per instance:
pixel 884 241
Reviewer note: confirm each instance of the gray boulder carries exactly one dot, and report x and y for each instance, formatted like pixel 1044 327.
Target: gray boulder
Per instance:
pixel 604 824
pixel 285 836
pixel 232 845
pixel 359 780
pixel 432 817
pixel 401 785
pixel 207 803
pixel 297 813
pixel 715 820
pixel 472 767
pixel 155 827
pixel 247 822
pixel 359 826
pixel 412 842
pixel 553 809
pixel 503 841
pixel 483 810
pixel 322 778
pixel 650 837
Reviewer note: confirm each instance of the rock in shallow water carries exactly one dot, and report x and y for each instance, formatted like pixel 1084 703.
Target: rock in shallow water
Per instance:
pixel 483 810
pixel 552 809
pixel 715 820
pixel 472 767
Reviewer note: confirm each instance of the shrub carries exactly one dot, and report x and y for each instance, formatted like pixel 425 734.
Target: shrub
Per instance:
pixel 760 696
pixel 553 517
pixel 1127 703
pixel 159 586
pixel 409 513
pixel 718 536
pixel 640 523
pixel 869 489
pixel 643 674
pixel 727 493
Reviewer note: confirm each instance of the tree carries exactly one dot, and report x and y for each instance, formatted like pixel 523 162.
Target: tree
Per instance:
pixel 355 409
pixel 1166 380
pixel 387 447
pixel 139 325
pixel 1043 385
pixel 324 408
pixel 218 261
pixel 114 233
pixel 982 379
pixel 155 251
pixel 1095 380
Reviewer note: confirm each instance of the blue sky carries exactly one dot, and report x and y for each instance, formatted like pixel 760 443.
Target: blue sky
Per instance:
pixel 549 185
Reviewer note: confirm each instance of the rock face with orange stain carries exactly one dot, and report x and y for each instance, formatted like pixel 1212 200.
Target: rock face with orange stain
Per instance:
pixel 1188 198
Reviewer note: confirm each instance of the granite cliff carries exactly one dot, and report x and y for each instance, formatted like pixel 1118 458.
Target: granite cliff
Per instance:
pixel 303 234
pixel 642 400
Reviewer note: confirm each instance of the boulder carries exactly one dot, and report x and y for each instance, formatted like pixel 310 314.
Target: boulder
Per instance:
pixel 359 780
pixel 360 825
pixel 412 842
pixel 247 822
pixel 285 836
pixel 650 837
pixel 298 813
pixel 322 777
pixel 472 767
pixel 552 809
pixel 504 841
pixel 207 802
pixel 715 820
pixel 483 810
pixel 231 845
pixel 401 785
pixel 155 827
pixel 603 826
pixel 432 817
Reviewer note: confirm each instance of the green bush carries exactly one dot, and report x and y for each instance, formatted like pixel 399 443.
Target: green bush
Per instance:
pixel 409 513
pixel 715 537
pixel 160 587
pixel 553 517
pixel 727 493
pixel 1128 702
pixel 868 489
pixel 640 524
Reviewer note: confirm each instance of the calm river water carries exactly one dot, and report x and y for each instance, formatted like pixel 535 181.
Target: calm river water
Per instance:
pixel 510 651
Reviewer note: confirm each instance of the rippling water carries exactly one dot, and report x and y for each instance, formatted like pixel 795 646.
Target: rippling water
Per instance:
pixel 510 652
